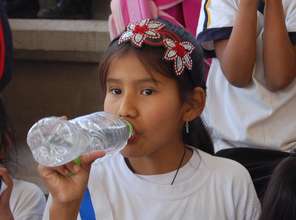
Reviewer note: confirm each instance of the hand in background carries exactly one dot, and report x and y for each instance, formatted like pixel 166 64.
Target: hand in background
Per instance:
pixel 5 212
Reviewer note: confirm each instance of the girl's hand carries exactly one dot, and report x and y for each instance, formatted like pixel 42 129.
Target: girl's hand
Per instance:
pixel 67 183
pixel 5 212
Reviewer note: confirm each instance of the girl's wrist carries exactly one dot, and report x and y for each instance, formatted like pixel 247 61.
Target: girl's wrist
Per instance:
pixel 64 210
pixel 70 204
pixel 6 215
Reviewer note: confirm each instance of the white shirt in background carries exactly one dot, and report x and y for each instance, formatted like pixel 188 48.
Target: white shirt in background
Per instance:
pixel 27 201
pixel 252 116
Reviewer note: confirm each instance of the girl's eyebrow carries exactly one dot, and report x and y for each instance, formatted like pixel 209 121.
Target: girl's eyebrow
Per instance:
pixel 139 81
pixel 111 80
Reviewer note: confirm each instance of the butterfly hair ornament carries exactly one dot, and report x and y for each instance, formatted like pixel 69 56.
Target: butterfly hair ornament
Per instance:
pixel 154 33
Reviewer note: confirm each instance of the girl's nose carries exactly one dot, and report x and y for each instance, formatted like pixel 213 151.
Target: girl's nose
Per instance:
pixel 128 107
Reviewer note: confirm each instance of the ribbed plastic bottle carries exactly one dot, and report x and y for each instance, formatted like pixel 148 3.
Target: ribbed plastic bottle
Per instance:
pixel 55 141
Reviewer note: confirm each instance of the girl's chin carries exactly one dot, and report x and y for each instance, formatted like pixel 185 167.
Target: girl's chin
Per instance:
pixel 130 151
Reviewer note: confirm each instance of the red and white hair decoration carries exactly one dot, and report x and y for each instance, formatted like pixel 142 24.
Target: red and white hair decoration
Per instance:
pixel 179 52
pixel 154 33
pixel 138 32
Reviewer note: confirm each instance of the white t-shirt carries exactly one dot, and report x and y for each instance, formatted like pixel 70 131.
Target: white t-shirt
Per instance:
pixel 207 188
pixel 252 116
pixel 27 201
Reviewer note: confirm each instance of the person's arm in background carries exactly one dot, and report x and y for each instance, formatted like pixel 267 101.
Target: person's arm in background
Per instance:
pixel 237 54
pixel 5 212
pixel 279 52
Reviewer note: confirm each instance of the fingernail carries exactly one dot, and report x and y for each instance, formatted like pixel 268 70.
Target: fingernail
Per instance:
pixel 76 168
pixel 70 174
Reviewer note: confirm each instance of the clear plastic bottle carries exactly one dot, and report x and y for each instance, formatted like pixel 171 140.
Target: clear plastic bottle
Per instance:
pixel 55 141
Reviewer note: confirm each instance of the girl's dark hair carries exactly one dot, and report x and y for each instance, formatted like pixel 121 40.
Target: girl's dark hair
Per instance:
pixel 7 140
pixel 151 56
pixel 279 201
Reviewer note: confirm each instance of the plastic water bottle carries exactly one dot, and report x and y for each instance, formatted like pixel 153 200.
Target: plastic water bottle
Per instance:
pixel 55 141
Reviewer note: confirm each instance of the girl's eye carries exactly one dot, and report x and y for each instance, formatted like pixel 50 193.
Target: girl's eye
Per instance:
pixel 115 91
pixel 147 91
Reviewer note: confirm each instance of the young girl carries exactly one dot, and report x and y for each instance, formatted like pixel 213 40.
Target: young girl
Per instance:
pixel 19 200
pixel 252 88
pixel 280 198
pixel 153 77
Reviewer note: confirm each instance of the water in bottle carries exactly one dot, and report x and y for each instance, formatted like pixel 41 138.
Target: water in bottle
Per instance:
pixel 55 141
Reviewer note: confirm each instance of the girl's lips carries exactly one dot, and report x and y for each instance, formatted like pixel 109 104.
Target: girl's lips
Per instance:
pixel 132 139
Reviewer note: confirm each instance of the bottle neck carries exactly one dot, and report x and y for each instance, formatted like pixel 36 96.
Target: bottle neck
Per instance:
pixel 130 128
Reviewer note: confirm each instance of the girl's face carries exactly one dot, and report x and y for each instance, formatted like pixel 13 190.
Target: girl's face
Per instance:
pixel 150 101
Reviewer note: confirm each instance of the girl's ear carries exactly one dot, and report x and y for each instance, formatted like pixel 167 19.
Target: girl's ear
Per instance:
pixel 195 104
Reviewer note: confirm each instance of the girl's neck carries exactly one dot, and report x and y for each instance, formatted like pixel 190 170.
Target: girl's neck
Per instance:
pixel 160 162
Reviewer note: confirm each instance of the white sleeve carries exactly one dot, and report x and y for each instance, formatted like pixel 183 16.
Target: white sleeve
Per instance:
pixel 290 11
pixel 27 201
pixel 246 201
pixel 47 207
pixel 216 21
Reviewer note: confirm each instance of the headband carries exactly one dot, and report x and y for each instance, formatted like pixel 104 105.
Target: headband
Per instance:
pixel 154 33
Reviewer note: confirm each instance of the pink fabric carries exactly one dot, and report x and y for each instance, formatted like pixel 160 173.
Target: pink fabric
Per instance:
pixel 176 12
pixel 139 10
pixel 125 11
pixel 191 10
pixel 181 12
pixel 186 12
pixel 2 50
pixel 165 4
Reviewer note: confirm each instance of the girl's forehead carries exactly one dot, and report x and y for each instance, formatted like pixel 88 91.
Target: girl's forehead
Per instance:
pixel 131 74
pixel 135 77
pixel 129 65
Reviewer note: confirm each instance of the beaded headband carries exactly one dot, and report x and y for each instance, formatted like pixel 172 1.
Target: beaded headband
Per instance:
pixel 154 33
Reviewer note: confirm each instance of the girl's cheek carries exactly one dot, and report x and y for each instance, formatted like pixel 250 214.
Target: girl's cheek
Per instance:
pixel 109 105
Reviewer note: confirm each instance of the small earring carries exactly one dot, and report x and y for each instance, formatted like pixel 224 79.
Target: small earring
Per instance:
pixel 187 127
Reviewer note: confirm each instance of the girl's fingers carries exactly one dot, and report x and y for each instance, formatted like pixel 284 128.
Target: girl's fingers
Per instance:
pixel 71 168
pixel 88 158
pixel 63 170
pixel 5 195
pixel 48 172
pixel 6 178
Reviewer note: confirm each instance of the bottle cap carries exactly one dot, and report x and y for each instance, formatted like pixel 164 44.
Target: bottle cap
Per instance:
pixel 77 161
pixel 130 129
